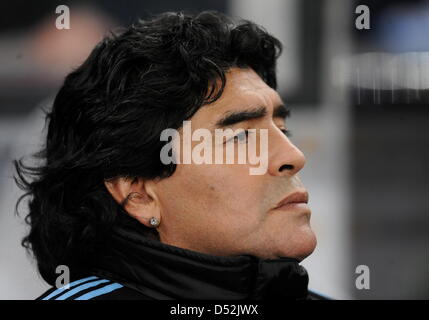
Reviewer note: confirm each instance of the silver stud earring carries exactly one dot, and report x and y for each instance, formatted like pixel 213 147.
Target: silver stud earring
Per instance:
pixel 154 222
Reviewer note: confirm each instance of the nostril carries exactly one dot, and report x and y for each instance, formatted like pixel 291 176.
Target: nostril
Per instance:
pixel 286 167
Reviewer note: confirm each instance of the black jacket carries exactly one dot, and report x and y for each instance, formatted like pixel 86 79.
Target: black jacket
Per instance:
pixel 135 267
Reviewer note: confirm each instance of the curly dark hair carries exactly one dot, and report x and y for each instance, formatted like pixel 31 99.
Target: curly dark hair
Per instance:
pixel 107 118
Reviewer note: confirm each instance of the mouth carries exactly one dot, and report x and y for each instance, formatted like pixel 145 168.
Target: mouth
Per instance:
pixel 295 200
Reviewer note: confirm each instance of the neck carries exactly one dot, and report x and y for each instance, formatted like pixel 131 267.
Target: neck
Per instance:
pixel 163 271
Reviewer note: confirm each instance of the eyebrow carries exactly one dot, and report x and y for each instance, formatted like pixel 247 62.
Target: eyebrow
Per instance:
pixel 231 118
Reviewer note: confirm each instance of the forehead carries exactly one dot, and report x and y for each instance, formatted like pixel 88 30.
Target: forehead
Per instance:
pixel 244 89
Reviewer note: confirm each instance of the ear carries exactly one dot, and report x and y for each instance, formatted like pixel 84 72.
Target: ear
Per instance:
pixel 137 196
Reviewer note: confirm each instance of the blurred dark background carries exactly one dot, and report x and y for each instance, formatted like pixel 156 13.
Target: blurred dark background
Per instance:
pixel 390 139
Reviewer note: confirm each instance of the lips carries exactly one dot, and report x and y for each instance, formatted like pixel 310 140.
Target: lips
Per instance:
pixel 293 199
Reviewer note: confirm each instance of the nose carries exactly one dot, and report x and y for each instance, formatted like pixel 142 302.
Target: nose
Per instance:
pixel 284 157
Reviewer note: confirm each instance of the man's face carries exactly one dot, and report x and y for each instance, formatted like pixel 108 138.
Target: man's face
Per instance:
pixel 223 210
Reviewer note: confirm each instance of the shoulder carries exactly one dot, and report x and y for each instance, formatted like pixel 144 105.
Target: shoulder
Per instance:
pixel 92 288
pixel 314 295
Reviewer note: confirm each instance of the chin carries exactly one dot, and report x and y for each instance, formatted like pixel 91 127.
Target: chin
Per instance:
pixel 300 246
pixel 307 247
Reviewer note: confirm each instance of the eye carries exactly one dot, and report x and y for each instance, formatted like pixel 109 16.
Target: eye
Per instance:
pixel 286 132
pixel 241 137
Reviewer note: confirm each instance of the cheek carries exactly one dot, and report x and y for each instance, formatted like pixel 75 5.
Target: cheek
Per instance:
pixel 228 188
pixel 215 209
pixel 214 191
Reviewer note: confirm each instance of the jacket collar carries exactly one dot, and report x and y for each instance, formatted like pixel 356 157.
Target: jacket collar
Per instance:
pixel 163 271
